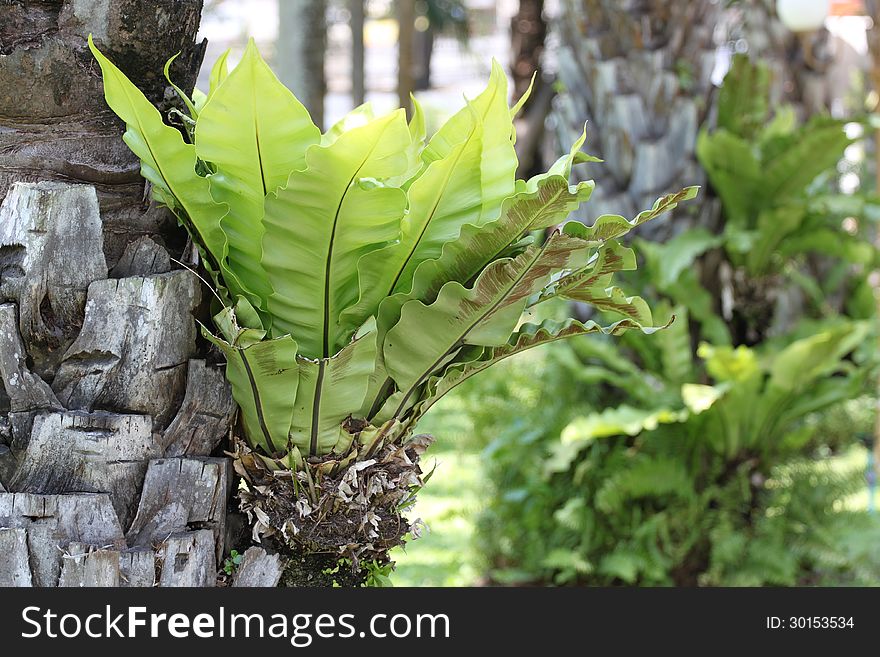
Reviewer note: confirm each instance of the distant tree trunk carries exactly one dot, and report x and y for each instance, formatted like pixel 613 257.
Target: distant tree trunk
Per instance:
pixel 528 31
pixel 108 417
pixel 302 42
pixel 406 16
pixel 357 22
pixel 423 51
pixel 639 74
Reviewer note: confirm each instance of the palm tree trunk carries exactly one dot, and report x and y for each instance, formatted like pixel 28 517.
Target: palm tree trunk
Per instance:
pixel 302 42
pixel 108 416
pixel 640 74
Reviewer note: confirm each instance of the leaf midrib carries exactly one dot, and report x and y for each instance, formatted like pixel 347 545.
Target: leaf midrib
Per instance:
pixel 328 262
pixel 429 220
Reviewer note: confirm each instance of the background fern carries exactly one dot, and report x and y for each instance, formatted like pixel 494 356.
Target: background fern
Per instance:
pixel 661 508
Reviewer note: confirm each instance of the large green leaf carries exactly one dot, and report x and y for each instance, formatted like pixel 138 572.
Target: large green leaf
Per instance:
pixel 264 376
pixel 441 200
pixel 526 337
pixel 428 335
pixel 614 300
pixel 486 314
pixel 734 171
pixel 255 133
pixel 811 151
pixel 829 241
pixel 552 200
pixel 459 126
pixel 498 161
pixel 330 390
pixel 166 160
pixel 359 116
pixel 806 360
pixel 543 201
pixel 219 73
pixel 773 226
pixel 743 98
pixel 668 260
pixel 612 226
pixel 547 202
pixel 592 285
pixel 328 216
pixel 620 421
pixel 700 303
pixel 822 394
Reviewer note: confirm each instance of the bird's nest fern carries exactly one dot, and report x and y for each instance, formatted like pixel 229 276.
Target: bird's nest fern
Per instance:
pixel 363 273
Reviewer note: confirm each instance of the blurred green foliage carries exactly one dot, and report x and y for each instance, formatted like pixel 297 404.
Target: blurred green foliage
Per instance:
pixel 574 499
pixel 726 448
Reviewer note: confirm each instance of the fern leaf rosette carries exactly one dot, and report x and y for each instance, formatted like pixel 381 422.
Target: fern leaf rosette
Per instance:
pixel 364 273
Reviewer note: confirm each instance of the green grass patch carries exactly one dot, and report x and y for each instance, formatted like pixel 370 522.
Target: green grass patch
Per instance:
pixel 449 504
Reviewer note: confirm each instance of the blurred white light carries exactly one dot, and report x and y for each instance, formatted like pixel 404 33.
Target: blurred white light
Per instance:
pixel 803 15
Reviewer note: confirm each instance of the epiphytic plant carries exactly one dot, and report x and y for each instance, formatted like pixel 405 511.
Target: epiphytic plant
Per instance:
pixel 363 273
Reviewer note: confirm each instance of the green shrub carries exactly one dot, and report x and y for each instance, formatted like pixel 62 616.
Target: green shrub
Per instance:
pixel 709 454
pixel 668 505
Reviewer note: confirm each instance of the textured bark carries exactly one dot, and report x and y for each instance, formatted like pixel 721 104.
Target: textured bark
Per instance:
pixel 82 566
pixel 258 569
pixel 302 41
pixel 54 124
pixel 13 547
pixel 51 523
pixel 142 257
pixel 187 560
pixel 639 74
pixel 125 393
pixel 204 416
pixel 27 391
pixel 44 229
pixel 75 452
pixel 101 380
pixel 101 369
pixel 182 494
